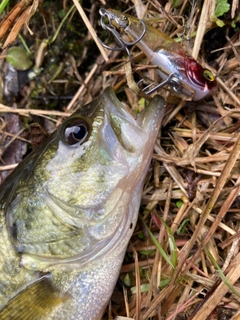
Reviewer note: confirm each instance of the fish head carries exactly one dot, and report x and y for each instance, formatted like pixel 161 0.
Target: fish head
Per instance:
pixel 97 147
pixel 78 195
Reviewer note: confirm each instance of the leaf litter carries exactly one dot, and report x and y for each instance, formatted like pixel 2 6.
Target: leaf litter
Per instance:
pixel 183 261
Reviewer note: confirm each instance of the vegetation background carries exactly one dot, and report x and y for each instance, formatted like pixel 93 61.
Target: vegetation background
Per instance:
pixel 183 261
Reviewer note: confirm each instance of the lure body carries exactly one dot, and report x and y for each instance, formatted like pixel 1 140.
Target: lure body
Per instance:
pixel 173 63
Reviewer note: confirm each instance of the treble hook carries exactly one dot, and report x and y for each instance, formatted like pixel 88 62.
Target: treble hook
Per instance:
pixel 118 38
pixel 123 44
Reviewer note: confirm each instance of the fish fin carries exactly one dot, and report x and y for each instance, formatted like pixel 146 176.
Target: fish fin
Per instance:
pixel 36 301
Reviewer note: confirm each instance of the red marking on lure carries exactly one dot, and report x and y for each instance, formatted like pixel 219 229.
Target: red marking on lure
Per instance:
pixel 195 72
pixel 195 81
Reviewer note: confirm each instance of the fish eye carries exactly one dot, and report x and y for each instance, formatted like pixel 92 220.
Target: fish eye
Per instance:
pixel 208 75
pixel 75 132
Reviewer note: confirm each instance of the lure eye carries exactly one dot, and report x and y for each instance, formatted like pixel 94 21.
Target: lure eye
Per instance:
pixel 123 19
pixel 75 132
pixel 208 75
pixel 120 21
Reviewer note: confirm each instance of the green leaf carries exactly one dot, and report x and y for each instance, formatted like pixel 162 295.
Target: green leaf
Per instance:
pixel 127 280
pixel 172 244
pixel 3 4
pixel 141 235
pixel 221 7
pixel 18 58
pixel 220 23
pixel 147 252
pixel 164 282
pixel 143 287
pixel 183 226
pixel 179 203
pixel 236 19
pixel 176 3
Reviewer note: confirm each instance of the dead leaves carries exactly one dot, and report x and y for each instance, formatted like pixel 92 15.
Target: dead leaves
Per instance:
pixel 17 17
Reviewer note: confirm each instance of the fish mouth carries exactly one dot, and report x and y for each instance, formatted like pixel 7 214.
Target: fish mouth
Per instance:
pixel 121 131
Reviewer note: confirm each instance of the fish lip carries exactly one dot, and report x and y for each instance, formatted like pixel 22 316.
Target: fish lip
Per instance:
pixel 120 133
pixel 115 107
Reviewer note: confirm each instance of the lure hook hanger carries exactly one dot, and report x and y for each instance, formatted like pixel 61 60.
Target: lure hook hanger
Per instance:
pixel 172 80
pixel 123 44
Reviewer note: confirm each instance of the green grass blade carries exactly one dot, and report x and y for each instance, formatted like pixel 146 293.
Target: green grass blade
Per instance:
pixel 221 274
pixel 3 4
pixel 159 247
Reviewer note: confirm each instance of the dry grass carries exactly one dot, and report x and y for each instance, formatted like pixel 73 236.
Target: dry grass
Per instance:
pixel 183 261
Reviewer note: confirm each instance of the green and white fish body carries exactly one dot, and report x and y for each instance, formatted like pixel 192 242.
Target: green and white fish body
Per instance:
pixel 69 209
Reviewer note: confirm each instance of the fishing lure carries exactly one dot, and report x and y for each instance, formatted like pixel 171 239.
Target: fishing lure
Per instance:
pixel 183 74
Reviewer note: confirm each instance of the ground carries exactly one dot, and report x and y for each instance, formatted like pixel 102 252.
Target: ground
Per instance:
pixel 183 261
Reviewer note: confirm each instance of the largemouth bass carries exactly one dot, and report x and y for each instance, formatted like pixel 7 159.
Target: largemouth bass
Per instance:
pixel 69 209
